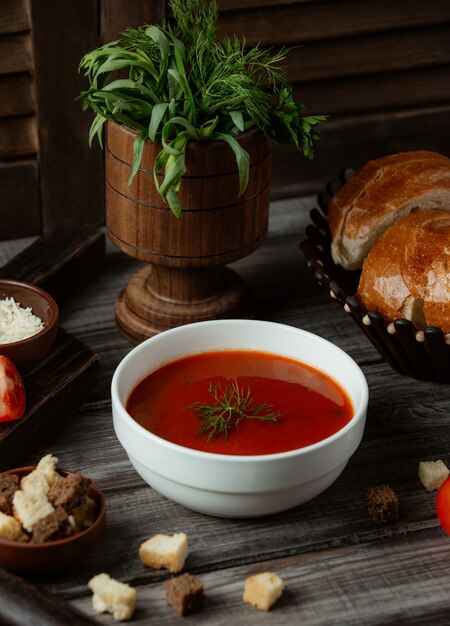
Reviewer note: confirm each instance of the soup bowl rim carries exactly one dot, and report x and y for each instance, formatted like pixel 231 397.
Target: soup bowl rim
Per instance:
pixel 359 412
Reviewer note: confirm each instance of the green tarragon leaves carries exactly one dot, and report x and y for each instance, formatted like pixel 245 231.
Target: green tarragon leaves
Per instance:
pixel 183 85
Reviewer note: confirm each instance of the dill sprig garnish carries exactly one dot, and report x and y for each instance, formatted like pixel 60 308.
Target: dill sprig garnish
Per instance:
pixel 231 405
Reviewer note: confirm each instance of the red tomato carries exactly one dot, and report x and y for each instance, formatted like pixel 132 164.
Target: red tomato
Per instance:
pixel 443 505
pixel 12 391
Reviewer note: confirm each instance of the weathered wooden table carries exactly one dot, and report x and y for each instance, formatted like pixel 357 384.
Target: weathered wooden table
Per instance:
pixel 338 566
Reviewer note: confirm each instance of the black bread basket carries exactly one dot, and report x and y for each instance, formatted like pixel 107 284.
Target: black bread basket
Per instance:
pixel 422 354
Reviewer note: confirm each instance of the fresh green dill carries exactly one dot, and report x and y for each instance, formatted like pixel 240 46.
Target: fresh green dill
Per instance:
pixel 230 405
pixel 184 85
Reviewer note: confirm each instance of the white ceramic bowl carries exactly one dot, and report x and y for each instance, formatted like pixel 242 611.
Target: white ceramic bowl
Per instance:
pixel 227 485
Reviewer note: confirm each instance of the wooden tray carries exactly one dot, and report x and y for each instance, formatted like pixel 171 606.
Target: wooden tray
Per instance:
pixel 61 263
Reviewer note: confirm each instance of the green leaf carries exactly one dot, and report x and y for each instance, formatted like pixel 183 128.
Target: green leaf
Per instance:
pixel 120 84
pixel 181 80
pixel 174 203
pixel 96 129
pixel 242 159
pixel 208 128
pixel 175 169
pixel 158 165
pixel 155 120
pixel 238 120
pixel 161 39
pixel 138 147
pixel 181 121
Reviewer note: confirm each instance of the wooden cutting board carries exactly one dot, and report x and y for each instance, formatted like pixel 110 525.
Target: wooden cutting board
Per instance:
pixel 61 263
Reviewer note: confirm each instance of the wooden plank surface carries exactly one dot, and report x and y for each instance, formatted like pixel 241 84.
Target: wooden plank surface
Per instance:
pixel 69 258
pixel 15 16
pixel 16 95
pixel 71 173
pixel 296 24
pixel 353 141
pixel 230 5
pixel 18 137
pixel 375 93
pixel 19 197
pixel 339 567
pixel 121 14
pixel 16 53
pixel 381 52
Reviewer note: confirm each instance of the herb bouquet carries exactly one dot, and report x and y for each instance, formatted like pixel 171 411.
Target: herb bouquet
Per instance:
pixel 190 125
pixel 183 86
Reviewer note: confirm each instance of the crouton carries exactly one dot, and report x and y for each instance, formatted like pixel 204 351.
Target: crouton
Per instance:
pixel 69 492
pixel 47 466
pixel 263 590
pixel 9 483
pixel 5 505
pixel 382 504
pixel 112 596
pixel 84 515
pixel 185 593
pixel 35 482
pixel 28 508
pixel 9 528
pixel 55 525
pixel 164 551
pixel 432 474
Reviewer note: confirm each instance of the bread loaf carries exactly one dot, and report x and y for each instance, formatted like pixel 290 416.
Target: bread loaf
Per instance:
pixel 381 192
pixel 407 273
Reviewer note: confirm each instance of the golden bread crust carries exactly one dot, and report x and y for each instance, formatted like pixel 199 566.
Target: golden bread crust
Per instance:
pixel 407 272
pixel 380 192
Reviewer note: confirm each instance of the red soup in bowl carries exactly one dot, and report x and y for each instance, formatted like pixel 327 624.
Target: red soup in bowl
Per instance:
pixel 240 402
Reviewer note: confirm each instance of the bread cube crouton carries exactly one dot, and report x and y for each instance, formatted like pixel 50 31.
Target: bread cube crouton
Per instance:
pixel 35 482
pixel 9 483
pixel 47 466
pixel 382 504
pixel 164 551
pixel 55 525
pixel 112 596
pixel 432 474
pixel 69 492
pixel 28 508
pixel 9 528
pixel 84 515
pixel 185 593
pixel 263 590
pixel 5 506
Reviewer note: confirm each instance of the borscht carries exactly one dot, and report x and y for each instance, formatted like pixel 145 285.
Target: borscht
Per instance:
pixel 240 402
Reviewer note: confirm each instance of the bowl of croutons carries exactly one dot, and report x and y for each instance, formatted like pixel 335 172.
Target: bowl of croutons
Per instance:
pixel 50 518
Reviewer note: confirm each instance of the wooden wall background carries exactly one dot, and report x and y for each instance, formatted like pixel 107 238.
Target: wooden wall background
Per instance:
pixel 379 68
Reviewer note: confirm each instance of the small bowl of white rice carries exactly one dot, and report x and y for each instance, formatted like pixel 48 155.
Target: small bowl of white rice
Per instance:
pixel 28 323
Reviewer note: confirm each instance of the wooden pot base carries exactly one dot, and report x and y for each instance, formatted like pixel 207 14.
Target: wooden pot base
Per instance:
pixel 146 307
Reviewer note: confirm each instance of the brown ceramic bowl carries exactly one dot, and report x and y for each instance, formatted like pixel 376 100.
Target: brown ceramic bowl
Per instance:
pixel 51 556
pixel 27 353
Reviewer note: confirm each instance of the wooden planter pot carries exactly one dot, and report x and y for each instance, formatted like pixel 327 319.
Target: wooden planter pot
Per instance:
pixel 184 280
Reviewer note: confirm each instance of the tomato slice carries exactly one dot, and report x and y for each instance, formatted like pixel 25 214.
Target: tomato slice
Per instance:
pixel 443 505
pixel 12 391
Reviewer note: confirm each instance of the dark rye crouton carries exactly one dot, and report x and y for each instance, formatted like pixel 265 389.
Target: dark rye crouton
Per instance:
pixel 9 484
pixel 5 505
pixel 382 504
pixel 185 593
pixel 53 526
pixel 69 492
